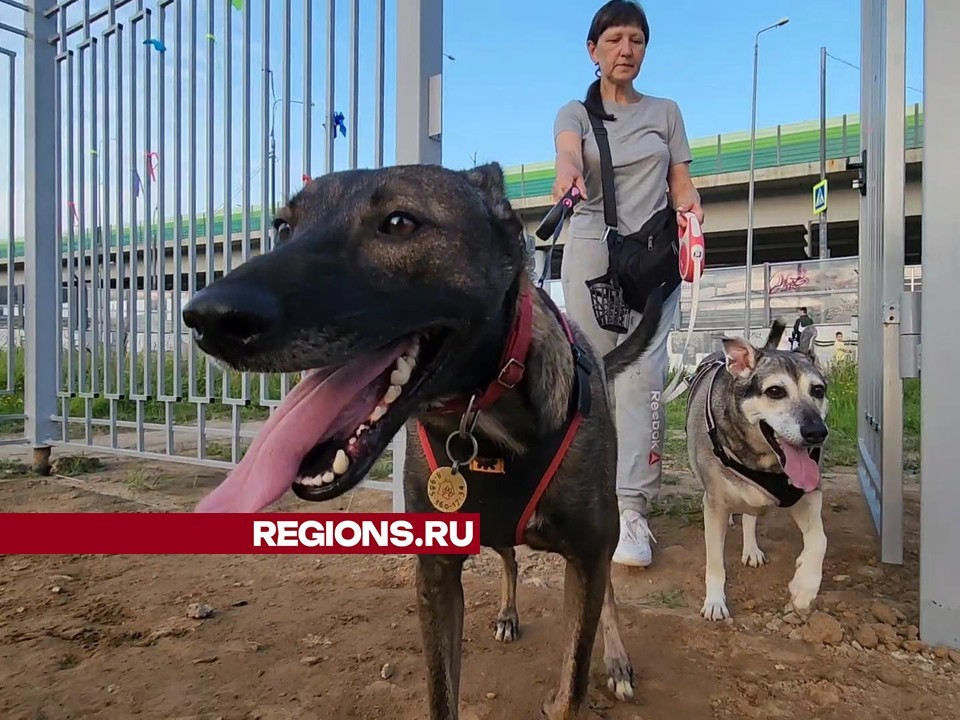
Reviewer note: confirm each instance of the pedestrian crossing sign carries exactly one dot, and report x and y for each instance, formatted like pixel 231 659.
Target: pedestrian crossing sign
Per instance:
pixel 820 197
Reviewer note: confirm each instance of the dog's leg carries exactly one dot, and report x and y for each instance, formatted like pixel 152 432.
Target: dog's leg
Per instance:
pixel 619 670
pixel 715 525
pixel 508 621
pixel 752 555
pixel 806 580
pixel 440 596
pixel 584 586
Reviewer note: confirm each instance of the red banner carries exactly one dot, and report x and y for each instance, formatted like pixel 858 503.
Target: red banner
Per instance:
pixel 238 533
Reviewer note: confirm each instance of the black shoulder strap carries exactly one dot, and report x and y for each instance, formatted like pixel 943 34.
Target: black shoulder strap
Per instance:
pixel 606 171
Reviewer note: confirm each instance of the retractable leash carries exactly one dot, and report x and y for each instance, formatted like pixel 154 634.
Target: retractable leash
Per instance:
pixel 691 255
pixel 552 225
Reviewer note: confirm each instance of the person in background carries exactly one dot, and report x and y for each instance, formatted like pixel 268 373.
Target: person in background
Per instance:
pixel 800 324
pixel 651 158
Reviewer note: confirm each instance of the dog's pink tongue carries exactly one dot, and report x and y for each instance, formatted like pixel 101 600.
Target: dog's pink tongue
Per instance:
pixel 307 416
pixel 803 470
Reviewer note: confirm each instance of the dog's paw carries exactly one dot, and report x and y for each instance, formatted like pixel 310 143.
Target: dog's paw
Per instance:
pixel 507 627
pixel 753 557
pixel 620 680
pixel 714 610
pixel 802 595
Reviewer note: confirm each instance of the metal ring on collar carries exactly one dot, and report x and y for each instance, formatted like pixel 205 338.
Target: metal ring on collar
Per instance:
pixel 473 453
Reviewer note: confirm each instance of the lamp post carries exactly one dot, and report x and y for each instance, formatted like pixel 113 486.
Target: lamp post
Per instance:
pixel 747 292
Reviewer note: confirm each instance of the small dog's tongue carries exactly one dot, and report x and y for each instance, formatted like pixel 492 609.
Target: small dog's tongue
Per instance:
pixel 307 416
pixel 803 470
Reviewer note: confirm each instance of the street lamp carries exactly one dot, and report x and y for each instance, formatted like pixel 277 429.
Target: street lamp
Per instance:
pixel 747 292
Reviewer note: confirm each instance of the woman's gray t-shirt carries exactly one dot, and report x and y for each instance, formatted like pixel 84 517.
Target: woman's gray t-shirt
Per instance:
pixel 646 138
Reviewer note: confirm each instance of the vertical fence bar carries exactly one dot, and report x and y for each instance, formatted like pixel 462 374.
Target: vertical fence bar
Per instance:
pixel 330 107
pixel 380 36
pixel 940 404
pixel 41 265
pixel 354 104
pixel 891 275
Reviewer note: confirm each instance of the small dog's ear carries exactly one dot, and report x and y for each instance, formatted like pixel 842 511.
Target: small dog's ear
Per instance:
pixel 741 356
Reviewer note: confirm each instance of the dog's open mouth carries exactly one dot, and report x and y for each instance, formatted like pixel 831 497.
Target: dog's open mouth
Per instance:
pixel 802 470
pixel 330 429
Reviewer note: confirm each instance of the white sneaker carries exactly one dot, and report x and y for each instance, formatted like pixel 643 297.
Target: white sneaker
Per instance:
pixel 635 536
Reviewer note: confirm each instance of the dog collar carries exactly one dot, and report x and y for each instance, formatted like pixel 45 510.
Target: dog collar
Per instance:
pixel 506 487
pixel 777 484
pixel 512 362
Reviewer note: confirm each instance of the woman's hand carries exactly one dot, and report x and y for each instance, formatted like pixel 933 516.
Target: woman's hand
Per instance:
pixel 690 206
pixel 566 178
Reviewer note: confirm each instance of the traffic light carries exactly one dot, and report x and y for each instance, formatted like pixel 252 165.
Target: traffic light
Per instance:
pixel 811 239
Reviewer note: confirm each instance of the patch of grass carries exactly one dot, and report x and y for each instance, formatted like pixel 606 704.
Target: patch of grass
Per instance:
pixel 73 465
pixel 13 469
pixel 140 479
pixel 668 598
pixel 683 507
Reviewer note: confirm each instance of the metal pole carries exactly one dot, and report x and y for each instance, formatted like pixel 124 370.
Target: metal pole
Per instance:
pixel 42 322
pixel 824 253
pixel 747 292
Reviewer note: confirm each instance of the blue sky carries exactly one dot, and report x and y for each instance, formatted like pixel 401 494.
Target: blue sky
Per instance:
pixel 516 62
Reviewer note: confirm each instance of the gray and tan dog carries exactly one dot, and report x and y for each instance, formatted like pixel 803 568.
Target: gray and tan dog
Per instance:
pixel 755 429
pixel 405 291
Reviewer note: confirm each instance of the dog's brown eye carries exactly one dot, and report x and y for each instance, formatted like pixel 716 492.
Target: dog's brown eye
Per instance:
pixel 399 224
pixel 775 392
pixel 818 391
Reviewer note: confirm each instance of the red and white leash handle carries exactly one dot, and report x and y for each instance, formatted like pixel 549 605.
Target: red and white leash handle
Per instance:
pixel 692 249
pixel 691 257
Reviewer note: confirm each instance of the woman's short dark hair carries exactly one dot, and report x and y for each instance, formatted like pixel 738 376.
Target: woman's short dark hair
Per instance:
pixel 615 13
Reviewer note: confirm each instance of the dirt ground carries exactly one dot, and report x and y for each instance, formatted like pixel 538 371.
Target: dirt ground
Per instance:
pixel 337 637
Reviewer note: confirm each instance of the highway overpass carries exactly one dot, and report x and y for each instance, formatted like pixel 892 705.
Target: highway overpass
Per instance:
pixel 787 167
pixel 787 162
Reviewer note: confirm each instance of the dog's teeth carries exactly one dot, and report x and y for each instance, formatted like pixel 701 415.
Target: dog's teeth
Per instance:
pixel 327 477
pixel 341 463
pixel 393 392
pixel 401 375
pixel 351 441
pixel 310 481
pixel 378 412
pixel 362 429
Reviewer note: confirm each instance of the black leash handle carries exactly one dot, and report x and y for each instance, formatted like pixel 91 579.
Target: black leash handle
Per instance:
pixel 552 223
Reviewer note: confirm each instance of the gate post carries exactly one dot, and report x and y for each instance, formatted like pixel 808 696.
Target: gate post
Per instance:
pixel 41 266
pixel 419 82
pixel 939 400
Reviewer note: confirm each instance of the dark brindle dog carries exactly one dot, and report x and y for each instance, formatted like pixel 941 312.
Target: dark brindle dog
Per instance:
pixel 405 291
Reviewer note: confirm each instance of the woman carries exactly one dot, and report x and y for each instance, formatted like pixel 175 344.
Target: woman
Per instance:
pixel 651 157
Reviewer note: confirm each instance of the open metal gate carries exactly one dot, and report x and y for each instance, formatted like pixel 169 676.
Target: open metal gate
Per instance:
pixel 881 301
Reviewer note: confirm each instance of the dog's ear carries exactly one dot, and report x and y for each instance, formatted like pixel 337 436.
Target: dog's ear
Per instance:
pixel 806 345
pixel 489 182
pixel 741 356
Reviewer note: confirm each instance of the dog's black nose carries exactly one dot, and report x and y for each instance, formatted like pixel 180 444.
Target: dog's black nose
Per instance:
pixel 226 313
pixel 814 432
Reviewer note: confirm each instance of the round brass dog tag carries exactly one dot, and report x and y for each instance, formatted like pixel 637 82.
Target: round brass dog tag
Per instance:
pixel 447 489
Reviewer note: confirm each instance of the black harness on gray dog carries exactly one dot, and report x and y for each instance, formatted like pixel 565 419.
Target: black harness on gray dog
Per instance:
pixel 775 483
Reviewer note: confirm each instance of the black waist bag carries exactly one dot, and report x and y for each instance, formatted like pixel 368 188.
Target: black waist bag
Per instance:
pixel 637 263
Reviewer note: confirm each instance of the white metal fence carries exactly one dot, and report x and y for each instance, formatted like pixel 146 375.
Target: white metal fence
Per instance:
pixel 148 139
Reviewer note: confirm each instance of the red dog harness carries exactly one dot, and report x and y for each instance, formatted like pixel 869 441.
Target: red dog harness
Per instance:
pixel 505 487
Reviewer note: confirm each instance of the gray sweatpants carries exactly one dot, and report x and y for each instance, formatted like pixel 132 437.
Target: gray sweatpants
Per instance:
pixel 640 415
